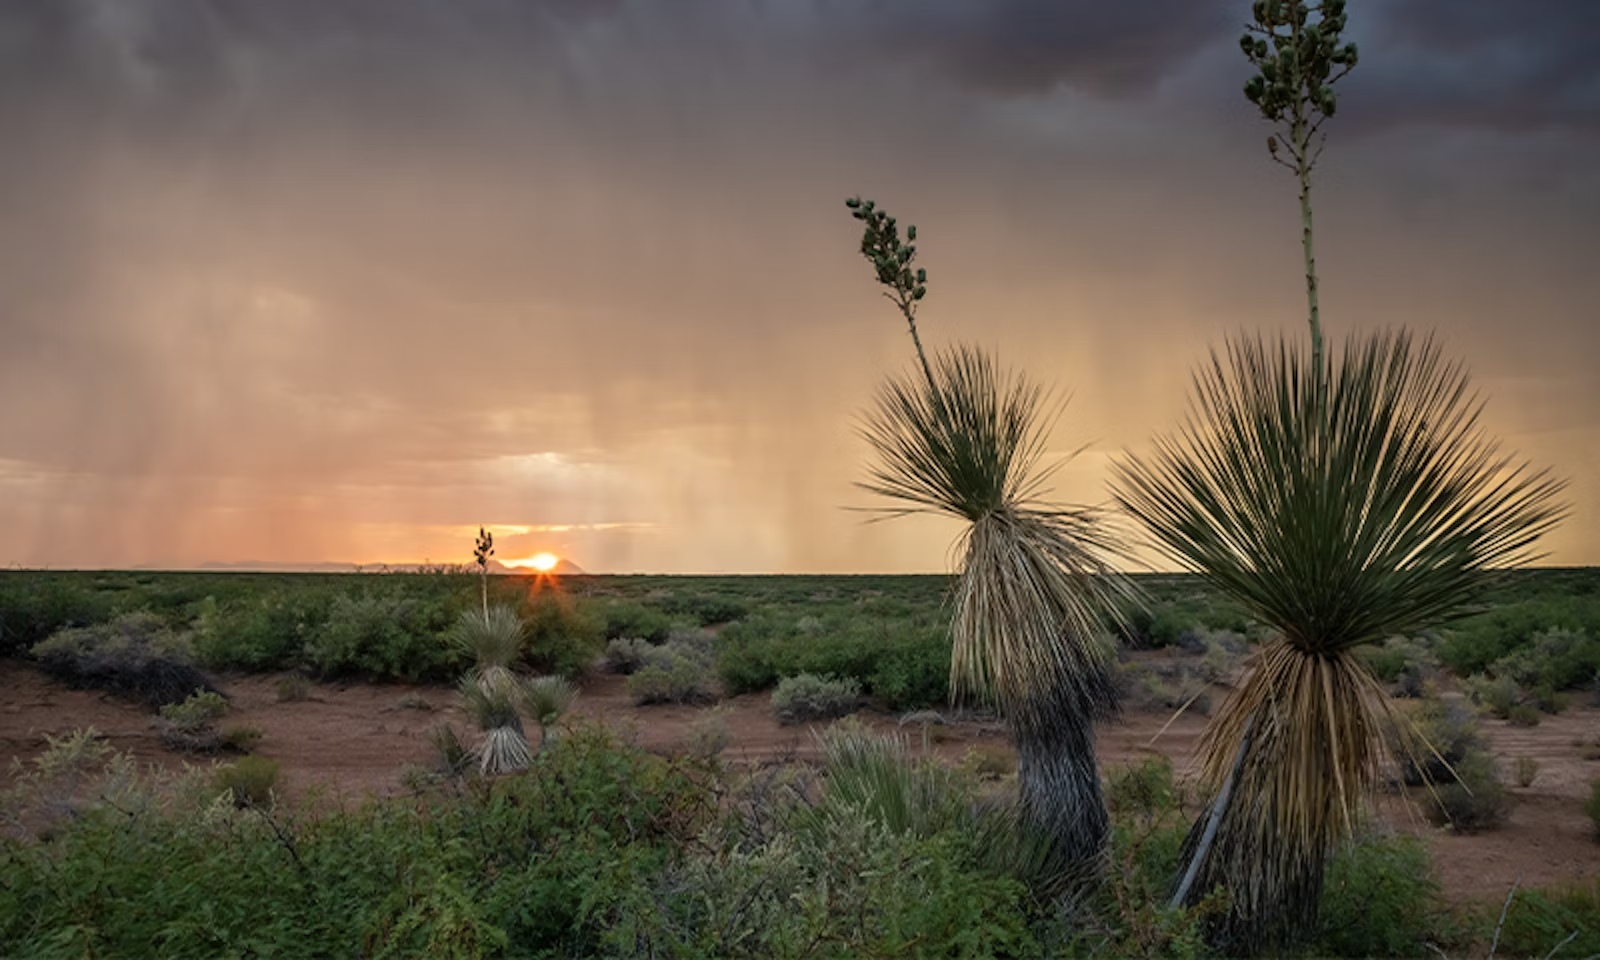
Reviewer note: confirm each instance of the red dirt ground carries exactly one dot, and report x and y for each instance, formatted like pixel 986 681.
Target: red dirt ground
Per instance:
pixel 357 738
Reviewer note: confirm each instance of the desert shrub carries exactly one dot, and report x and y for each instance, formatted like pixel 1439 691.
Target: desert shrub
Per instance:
pixel 562 638
pixel 547 698
pixel 1527 771
pixel 33 607
pixel 620 619
pixel 191 726
pixel 1497 695
pixel 293 688
pixel 452 757
pixel 1162 686
pixel 1145 788
pixel 384 635
pixel 1515 621
pixel 1523 715
pixel 1379 899
pixel 250 780
pixel 134 656
pixel 1405 664
pixel 267 631
pixel 709 735
pixel 1440 735
pixel 904 664
pixel 673 673
pixel 543 865
pixel 625 655
pixel 1553 660
pixel 988 764
pixel 1554 921
pixel 805 697
pixel 1476 800
pixel 1592 808
pixel 241 739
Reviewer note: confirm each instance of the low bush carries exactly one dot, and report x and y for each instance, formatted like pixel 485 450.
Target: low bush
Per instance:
pixel 250 780
pixel 620 619
pixel 673 673
pixel 384 635
pixel 806 697
pixel 33 607
pixel 1433 738
pixel 1527 771
pixel 562 638
pixel 1554 659
pixel 191 726
pixel 1555 921
pixel 1142 789
pixel 902 663
pixel 625 655
pixel 1474 801
pixel 1523 715
pixel 134 656
pixel 241 739
pixel 1379 899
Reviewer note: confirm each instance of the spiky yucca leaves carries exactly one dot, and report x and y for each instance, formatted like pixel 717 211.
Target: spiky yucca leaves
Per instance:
pixel 494 641
pixel 965 441
pixel 1339 509
pixel 494 709
pixel 546 699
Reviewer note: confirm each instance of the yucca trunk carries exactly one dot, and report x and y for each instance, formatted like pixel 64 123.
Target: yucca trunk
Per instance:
pixel 1058 786
pixel 1288 761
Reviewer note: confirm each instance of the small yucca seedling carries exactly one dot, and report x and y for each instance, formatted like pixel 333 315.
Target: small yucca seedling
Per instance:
pixel 546 699
pixel 505 746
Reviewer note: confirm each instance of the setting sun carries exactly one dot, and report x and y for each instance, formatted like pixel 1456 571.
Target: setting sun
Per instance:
pixel 542 562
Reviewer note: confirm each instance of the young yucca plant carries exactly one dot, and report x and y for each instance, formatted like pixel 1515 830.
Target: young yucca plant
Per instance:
pixel 546 699
pixel 964 439
pixel 1341 501
pixel 494 641
pixel 494 709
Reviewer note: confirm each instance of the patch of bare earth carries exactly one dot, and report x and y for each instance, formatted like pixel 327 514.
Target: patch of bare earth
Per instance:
pixel 357 738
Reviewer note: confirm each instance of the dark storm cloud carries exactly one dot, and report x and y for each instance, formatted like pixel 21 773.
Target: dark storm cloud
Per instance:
pixel 1514 67
pixel 1014 47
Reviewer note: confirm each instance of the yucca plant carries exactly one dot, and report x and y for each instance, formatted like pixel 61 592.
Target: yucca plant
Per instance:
pixel 964 439
pixel 493 640
pixel 494 709
pixel 546 699
pixel 1340 501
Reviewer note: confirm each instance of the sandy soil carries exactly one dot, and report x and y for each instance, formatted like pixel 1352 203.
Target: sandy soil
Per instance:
pixel 357 738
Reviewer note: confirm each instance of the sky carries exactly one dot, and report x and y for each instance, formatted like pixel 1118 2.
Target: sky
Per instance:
pixel 291 281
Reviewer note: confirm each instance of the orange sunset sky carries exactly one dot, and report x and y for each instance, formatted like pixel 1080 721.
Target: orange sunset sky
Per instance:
pixel 341 280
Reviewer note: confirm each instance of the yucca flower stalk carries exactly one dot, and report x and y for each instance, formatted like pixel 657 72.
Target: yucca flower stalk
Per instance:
pixel 964 440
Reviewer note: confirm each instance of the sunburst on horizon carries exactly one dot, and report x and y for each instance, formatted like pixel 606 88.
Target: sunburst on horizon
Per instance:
pixel 543 562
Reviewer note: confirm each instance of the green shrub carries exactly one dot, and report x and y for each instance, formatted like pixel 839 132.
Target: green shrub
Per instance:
pixel 191 726
pixel 134 656
pixel 1474 802
pixel 562 639
pixel 1554 659
pixel 265 631
pixel 1538 921
pixel 33 607
pixel 1498 695
pixel 1144 789
pixel 903 663
pixel 806 697
pixel 241 739
pixel 620 619
pixel 251 781
pixel 673 673
pixel 1527 771
pixel 384 635
pixel 625 655
pixel 1523 715
pixel 1379 899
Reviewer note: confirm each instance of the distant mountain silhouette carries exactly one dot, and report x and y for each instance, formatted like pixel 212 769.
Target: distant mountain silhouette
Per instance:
pixel 564 567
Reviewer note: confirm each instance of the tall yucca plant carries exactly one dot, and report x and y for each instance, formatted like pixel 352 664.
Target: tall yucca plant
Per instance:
pixel 1340 502
pixel 964 439
pixel 1339 511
